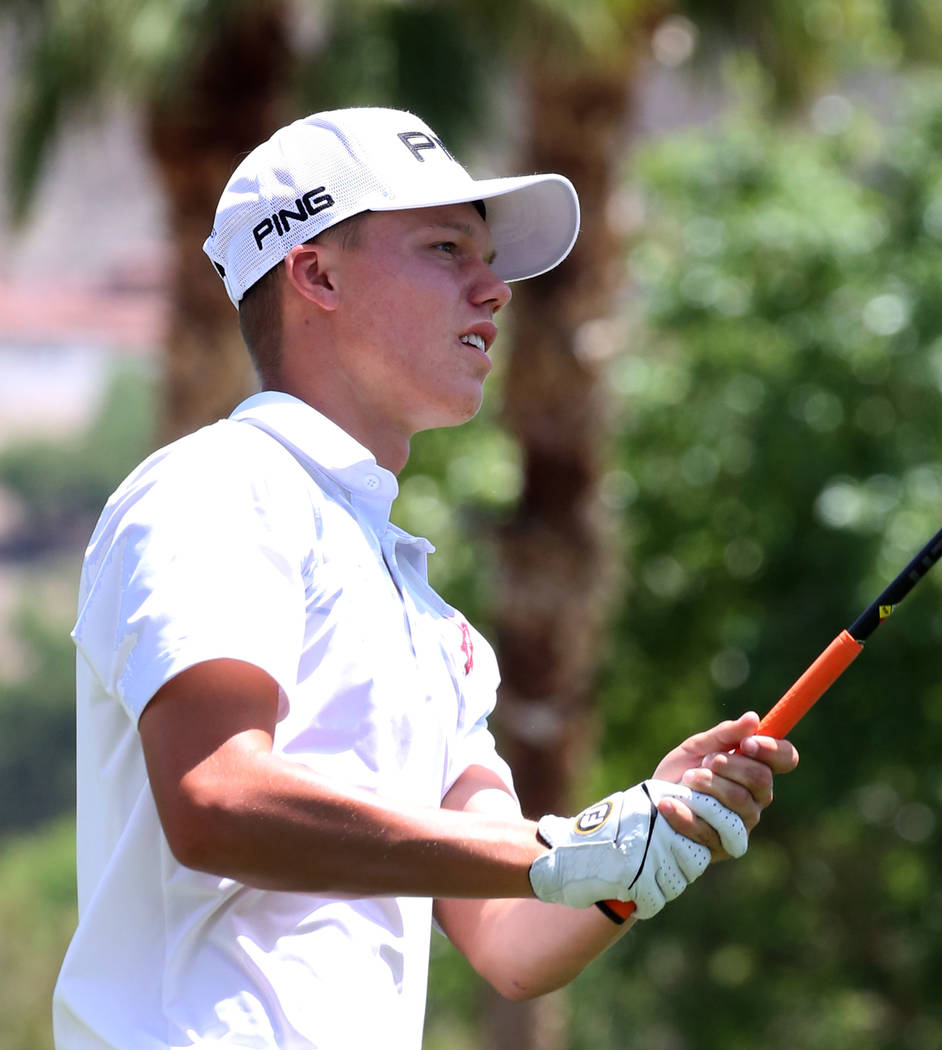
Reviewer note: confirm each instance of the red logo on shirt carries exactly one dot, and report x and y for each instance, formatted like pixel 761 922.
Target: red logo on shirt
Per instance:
pixel 467 647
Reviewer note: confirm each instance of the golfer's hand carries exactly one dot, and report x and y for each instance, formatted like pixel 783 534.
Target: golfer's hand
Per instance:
pixel 731 765
pixel 621 848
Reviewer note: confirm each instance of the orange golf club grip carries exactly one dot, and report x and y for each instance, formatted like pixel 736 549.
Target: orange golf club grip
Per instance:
pixel 810 687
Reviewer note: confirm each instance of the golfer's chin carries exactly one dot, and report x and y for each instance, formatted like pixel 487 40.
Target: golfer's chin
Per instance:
pixel 459 408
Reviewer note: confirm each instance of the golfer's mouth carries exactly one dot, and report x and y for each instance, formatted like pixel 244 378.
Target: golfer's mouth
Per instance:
pixel 481 336
pixel 475 340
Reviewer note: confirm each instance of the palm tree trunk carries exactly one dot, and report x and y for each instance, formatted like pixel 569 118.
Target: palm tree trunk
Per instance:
pixel 197 135
pixel 556 576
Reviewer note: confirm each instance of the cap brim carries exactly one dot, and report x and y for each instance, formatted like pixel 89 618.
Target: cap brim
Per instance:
pixel 533 220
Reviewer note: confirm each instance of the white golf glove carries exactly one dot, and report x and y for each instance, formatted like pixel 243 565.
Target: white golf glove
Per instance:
pixel 621 848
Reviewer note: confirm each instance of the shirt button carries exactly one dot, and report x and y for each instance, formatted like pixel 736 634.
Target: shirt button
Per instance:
pixel 371 481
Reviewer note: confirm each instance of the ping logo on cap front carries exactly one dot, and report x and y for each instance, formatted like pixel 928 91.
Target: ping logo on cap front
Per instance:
pixel 417 141
pixel 594 817
pixel 305 207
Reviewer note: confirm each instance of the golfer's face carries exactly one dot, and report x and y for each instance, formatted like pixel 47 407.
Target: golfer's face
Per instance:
pixel 418 302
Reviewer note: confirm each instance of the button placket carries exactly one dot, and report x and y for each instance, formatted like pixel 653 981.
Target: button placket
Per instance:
pixel 388 550
pixel 429 616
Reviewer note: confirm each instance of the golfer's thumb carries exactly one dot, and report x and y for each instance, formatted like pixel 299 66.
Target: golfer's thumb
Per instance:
pixel 729 735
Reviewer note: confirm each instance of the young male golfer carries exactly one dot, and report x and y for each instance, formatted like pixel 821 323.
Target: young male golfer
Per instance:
pixel 284 764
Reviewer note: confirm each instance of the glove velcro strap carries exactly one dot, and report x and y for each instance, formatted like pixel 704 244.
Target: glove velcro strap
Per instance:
pixel 647 845
pixel 604 906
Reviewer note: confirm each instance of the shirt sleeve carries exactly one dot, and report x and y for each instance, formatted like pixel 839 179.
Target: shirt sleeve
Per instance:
pixel 195 558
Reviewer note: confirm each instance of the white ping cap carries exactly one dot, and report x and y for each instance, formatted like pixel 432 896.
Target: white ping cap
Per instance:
pixel 327 167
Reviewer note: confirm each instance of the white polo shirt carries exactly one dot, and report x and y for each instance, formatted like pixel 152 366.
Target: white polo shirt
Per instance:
pixel 263 538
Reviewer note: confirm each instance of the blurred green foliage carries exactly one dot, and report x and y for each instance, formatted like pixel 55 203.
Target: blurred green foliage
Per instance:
pixel 62 487
pixel 456 490
pixel 778 462
pixel 37 916
pixel 393 52
pixel 37 723
pixel 70 54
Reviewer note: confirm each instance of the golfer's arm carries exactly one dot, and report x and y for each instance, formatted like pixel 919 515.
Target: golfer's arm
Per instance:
pixel 522 947
pixel 229 806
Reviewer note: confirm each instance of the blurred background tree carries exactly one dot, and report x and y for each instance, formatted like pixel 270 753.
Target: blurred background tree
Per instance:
pixel 209 77
pixel 738 400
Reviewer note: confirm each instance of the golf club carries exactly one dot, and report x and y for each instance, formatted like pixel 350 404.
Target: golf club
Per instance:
pixel 827 668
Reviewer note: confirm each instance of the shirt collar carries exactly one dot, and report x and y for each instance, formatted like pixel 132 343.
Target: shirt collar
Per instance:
pixel 319 443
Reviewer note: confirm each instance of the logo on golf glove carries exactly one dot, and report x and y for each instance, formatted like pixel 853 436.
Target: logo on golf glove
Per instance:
pixel 621 848
pixel 591 819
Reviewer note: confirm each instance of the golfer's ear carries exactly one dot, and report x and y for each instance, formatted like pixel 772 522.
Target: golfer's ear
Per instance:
pixel 309 270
